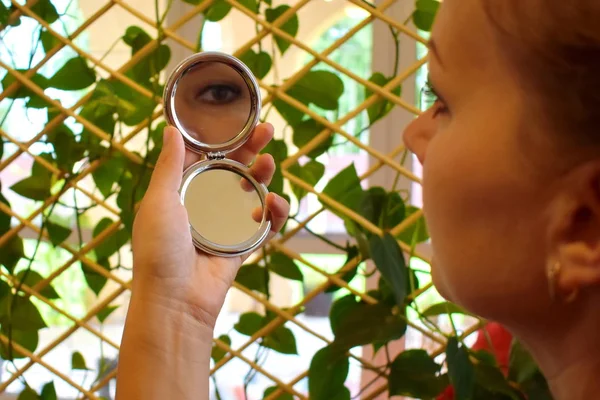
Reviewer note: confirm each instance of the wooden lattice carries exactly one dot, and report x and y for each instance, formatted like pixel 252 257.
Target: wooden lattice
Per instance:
pixel 120 282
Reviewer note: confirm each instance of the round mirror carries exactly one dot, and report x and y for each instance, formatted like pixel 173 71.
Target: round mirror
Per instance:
pixel 213 99
pixel 226 209
pixel 212 102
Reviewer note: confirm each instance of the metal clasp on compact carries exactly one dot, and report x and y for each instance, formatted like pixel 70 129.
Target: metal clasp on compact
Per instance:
pixel 216 156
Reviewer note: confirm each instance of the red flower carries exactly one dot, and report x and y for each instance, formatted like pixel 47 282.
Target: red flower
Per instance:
pixel 500 340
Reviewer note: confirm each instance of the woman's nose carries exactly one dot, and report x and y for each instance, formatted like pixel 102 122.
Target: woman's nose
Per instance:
pixel 419 133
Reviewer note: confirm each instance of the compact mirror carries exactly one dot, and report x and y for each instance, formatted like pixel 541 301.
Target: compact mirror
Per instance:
pixel 214 101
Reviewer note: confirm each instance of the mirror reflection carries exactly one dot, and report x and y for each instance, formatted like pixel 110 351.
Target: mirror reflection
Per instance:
pixel 222 207
pixel 212 102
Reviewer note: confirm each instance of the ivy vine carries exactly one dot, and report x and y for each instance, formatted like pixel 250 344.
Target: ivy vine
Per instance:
pixel 112 107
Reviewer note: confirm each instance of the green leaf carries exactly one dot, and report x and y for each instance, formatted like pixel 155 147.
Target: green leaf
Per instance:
pixel 252 276
pixel 68 151
pixel 311 173
pixel 218 10
pixel 132 191
pixel 115 96
pixel 290 26
pixel 537 388
pixel 460 370
pixel 492 379
pixel 389 259
pixel 282 396
pixel 25 315
pixel 4 14
pixel 136 38
pixel 319 87
pixel 49 41
pixel 417 232
pixel 340 310
pixel 217 353
pixel 367 323
pixel 74 75
pixel 22 92
pixel 105 313
pixel 77 361
pixel 307 130
pixel 289 113
pixel 281 340
pixel 112 243
pixel 381 107
pixel 94 280
pixel 37 102
pixel 4 291
pixel 444 308
pixel 33 278
pixel 4 217
pixel 345 188
pixel 150 65
pixel 28 394
pixel 425 13
pixel 352 252
pixel 415 374
pixel 277 149
pixel 385 294
pixel 27 339
pixel 259 63
pixel 108 173
pixel 327 374
pixel 57 233
pixel 522 366
pixel 251 5
pixel 381 208
pixel 35 187
pixel 284 266
pixel 249 323
pixel 46 10
pixel 485 357
pixel 11 253
pixel 48 392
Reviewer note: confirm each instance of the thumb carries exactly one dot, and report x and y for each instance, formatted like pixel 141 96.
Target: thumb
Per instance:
pixel 168 171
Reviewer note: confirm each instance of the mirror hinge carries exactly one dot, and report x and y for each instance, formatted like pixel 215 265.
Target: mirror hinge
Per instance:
pixel 216 156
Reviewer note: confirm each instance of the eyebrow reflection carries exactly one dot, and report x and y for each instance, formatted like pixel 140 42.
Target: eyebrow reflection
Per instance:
pixel 433 49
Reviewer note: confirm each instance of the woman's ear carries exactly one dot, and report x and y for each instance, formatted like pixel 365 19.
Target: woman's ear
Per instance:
pixel 574 231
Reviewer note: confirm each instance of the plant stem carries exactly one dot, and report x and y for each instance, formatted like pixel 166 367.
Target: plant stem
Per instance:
pixel 323 238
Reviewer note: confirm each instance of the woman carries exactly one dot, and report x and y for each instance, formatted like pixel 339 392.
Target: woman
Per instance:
pixel 511 194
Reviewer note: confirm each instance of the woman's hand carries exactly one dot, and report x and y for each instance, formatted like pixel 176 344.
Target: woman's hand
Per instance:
pixel 178 291
pixel 166 263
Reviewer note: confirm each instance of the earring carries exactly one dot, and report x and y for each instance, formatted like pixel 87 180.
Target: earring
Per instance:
pixel 552 274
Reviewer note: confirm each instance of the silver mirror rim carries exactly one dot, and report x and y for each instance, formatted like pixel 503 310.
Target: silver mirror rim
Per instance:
pixel 169 102
pixel 262 232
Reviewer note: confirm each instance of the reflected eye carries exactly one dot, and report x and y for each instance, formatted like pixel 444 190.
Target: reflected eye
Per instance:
pixel 219 94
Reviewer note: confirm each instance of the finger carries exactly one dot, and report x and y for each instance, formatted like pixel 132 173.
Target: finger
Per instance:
pixel 263 169
pixel 246 185
pixel 191 158
pixel 257 214
pixel 279 210
pixel 167 173
pixel 261 136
